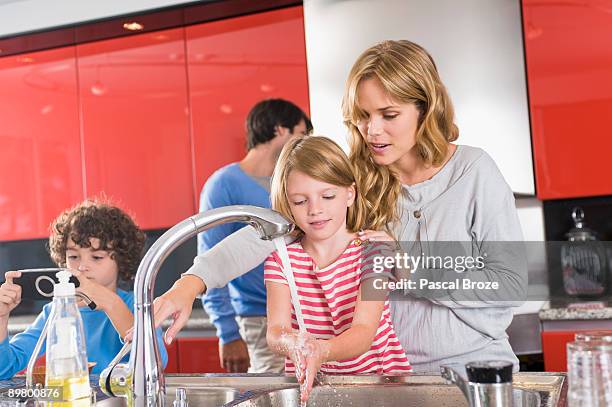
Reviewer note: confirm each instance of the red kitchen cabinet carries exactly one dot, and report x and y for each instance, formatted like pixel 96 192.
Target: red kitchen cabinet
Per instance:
pixel 135 125
pixel 554 348
pixel 569 71
pixel 173 358
pixel 233 64
pixel 199 355
pixel 40 154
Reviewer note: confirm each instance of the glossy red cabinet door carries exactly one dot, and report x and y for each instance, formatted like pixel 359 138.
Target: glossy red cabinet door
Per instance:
pixel 233 64
pixel 40 149
pixel 135 125
pixel 173 358
pixel 199 355
pixel 569 69
pixel 554 347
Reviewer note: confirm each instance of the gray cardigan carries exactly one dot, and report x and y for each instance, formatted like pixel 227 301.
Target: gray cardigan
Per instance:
pixel 466 201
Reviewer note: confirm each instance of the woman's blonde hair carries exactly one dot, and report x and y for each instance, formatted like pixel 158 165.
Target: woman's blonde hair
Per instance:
pixel 409 75
pixel 322 159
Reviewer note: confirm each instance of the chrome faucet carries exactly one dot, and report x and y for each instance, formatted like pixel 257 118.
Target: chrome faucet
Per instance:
pixel 142 381
pixel 489 383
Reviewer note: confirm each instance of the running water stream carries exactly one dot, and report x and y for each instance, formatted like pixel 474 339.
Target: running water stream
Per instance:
pixel 281 249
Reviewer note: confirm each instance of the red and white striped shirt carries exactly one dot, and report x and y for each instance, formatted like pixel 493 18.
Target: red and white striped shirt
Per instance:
pixel 327 298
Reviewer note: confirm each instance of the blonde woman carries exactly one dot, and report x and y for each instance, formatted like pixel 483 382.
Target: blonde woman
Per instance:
pixel 421 188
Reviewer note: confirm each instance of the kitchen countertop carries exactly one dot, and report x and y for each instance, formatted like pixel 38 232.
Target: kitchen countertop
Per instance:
pixel 561 310
pixel 198 321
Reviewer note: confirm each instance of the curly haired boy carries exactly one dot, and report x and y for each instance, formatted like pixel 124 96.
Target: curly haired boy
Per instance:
pixel 99 244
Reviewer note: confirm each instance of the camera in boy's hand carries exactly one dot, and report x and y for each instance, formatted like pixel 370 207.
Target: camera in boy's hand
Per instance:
pixel 37 284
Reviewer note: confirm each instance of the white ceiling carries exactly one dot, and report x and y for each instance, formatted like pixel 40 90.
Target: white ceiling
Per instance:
pixel 9 1
pixel 21 16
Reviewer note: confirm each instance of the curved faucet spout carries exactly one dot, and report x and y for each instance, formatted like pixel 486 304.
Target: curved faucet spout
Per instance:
pixel 268 223
pixel 147 381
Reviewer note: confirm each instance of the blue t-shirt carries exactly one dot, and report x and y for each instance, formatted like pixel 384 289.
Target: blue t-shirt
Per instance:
pixel 102 340
pixel 245 295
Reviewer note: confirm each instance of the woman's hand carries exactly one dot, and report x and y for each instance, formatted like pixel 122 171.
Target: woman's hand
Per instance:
pixel 381 243
pixel 176 303
pixel 10 294
pixel 375 236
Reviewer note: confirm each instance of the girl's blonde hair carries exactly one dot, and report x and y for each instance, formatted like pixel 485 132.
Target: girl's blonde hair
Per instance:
pixel 321 159
pixel 409 75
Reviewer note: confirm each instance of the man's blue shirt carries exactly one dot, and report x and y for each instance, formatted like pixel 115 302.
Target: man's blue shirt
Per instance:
pixel 245 295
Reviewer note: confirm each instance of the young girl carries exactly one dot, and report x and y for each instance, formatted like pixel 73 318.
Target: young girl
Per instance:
pixel 314 187
pixel 99 244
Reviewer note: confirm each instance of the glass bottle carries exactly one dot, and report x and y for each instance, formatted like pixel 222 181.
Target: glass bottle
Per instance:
pixel 583 260
pixel 66 350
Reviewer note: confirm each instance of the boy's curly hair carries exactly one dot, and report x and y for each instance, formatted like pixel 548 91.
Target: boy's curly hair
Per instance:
pixel 118 235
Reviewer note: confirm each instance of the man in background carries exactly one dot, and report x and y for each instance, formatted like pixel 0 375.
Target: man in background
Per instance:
pixel 238 310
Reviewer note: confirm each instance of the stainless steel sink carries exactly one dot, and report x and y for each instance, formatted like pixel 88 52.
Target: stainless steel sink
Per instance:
pixel 211 390
pixel 243 390
pixel 530 389
pixel 404 391
pixel 388 395
pixel 210 396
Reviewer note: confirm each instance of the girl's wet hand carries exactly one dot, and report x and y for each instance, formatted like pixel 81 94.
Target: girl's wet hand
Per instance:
pixel 311 353
pixel 10 294
pixel 288 346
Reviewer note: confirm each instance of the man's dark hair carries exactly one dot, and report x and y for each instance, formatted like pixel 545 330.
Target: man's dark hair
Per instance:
pixel 118 235
pixel 267 114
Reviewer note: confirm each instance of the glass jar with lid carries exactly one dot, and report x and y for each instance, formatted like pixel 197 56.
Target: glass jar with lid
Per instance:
pixel 583 260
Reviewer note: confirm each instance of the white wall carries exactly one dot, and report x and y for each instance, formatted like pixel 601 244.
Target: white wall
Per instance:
pixel 19 16
pixel 531 216
pixel 477 46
